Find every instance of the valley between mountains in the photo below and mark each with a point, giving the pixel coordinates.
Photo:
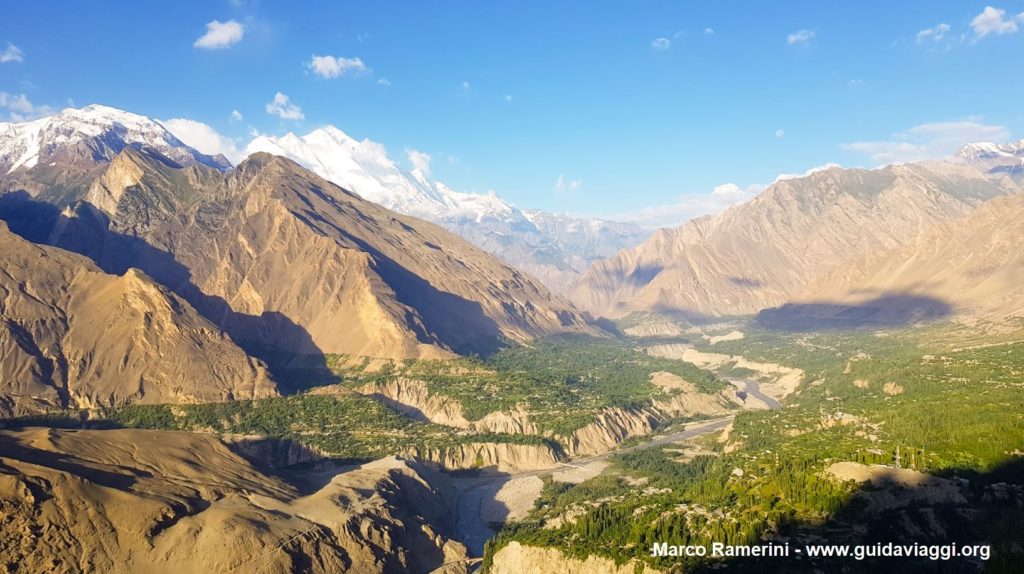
(315, 361)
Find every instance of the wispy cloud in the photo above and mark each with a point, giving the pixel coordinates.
(995, 21)
(929, 141)
(220, 35)
(11, 54)
(334, 67)
(564, 184)
(661, 43)
(383, 82)
(800, 37)
(282, 107)
(236, 116)
(19, 108)
(934, 34)
(780, 133)
(464, 87)
(420, 160)
(203, 138)
(690, 206)
(815, 169)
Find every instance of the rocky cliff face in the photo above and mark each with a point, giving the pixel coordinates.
(74, 336)
(502, 457)
(152, 501)
(515, 558)
(764, 252)
(280, 258)
(412, 397)
(615, 425)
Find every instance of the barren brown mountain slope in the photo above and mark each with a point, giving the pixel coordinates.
(72, 335)
(762, 253)
(161, 502)
(285, 260)
(974, 264)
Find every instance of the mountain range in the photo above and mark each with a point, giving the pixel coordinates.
(770, 250)
(283, 261)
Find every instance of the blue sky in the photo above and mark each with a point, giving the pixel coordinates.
(627, 104)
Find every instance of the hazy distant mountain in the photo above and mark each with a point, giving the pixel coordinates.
(763, 253)
(57, 156)
(554, 248)
(72, 336)
(285, 260)
(995, 158)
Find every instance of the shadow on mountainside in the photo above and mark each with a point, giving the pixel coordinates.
(887, 310)
(453, 321)
(989, 511)
(290, 353)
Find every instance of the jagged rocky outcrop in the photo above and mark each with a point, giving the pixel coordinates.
(74, 336)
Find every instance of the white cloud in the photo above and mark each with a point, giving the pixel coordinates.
(383, 82)
(690, 206)
(236, 116)
(800, 37)
(563, 184)
(929, 141)
(283, 108)
(661, 43)
(709, 31)
(465, 87)
(994, 21)
(419, 160)
(935, 34)
(780, 133)
(727, 190)
(20, 109)
(334, 67)
(220, 35)
(203, 138)
(11, 54)
(815, 169)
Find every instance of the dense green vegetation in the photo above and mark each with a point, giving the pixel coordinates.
(344, 425)
(891, 398)
(564, 381)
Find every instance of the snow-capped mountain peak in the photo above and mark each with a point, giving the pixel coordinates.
(994, 157)
(364, 167)
(103, 129)
(553, 247)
